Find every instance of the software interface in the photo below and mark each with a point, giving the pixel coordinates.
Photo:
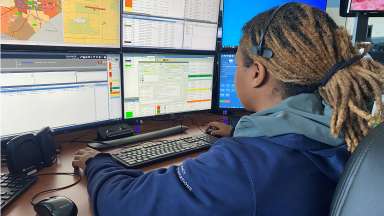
(164, 84)
(236, 15)
(170, 24)
(58, 90)
(86, 23)
(228, 97)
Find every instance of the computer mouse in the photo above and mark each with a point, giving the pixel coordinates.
(56, 206)
(210, 129)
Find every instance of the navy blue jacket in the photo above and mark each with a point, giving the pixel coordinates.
(283, 175)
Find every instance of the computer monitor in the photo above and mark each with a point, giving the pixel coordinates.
(60, 90)
(158, 84)
(61, 23)
(235, 15)
(170, 24)
(227, 89)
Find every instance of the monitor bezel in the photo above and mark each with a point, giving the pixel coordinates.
(68, 129)
(72, 128)
(161, 52)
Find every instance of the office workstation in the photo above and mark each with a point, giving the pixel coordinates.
(209, 107)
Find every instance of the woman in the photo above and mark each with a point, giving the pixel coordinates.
(286, 158)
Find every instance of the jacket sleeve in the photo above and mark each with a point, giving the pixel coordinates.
(214, 183)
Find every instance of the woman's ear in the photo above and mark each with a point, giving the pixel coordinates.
(258, 74)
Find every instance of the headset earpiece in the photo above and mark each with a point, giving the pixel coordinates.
(267, 53)
(259, 49)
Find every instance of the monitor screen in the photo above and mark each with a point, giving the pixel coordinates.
(157, 84)
(171, 24)
(60, 90)
(366, 5)
(235, 15)
(61, 23)
(227, 89)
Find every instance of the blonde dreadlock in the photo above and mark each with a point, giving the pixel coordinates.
(306, 44)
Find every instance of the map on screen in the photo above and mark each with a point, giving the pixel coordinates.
(93, 23)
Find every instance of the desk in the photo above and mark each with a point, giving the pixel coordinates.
(22, 207)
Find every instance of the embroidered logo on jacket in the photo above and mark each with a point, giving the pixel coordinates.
(180, 173)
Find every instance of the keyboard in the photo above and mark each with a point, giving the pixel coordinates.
(12, 186)
(155, 151)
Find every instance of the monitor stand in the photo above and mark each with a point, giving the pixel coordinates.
(361, 29)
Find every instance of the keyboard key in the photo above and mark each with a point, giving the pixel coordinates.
(12, 186)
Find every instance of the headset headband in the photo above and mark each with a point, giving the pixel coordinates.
(260, 49)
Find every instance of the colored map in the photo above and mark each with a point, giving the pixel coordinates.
(61, 22)
(92, 22)
(23, 19)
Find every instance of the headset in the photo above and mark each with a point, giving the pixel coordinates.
(259, 48)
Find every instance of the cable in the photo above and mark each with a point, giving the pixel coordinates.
(55, 189)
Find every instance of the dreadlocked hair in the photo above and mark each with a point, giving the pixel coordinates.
(306, 43)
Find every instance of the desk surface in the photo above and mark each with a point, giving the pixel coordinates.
(78, 193)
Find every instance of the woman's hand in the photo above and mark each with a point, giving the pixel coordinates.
(219, 129)
(81, 156)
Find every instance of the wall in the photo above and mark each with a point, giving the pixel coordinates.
(333, 11)
(377, 29)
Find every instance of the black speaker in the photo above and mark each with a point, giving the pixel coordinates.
(29, 152)
(24, 154)
(47, 146)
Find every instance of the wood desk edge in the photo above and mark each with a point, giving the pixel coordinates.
(78, 193)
